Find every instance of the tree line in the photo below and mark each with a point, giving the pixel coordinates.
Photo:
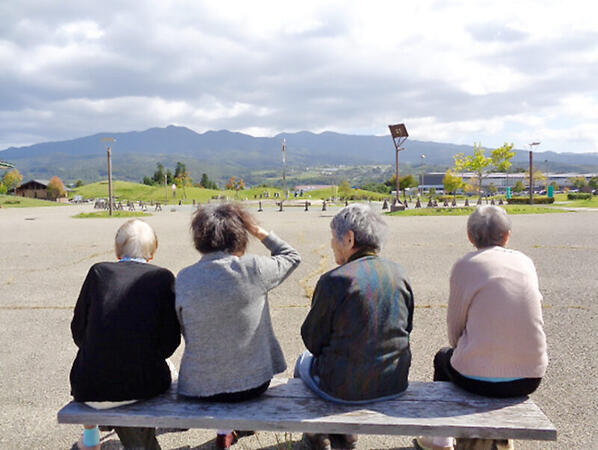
(181, 177)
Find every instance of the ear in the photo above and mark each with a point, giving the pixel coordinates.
(350, 239)
(470, 239)
(506, 240)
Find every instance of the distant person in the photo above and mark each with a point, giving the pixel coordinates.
(357, 330)
(494, 318)
(125, 326)
(231, 352)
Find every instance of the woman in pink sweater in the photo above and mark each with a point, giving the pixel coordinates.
(495, 327)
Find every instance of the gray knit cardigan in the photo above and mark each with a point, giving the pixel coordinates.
(222, 306)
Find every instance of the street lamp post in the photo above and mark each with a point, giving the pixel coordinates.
(531, 171)
(109, 141)
(284, 170)
(399, 136)
(421, 184)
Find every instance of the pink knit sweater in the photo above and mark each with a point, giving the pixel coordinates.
(495, 316)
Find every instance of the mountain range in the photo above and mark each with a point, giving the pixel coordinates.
(223, 153)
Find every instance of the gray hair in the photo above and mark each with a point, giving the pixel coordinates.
(488, 225)
(135, 239)
(367, 225)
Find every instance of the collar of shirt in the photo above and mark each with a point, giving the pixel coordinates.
(127, 259)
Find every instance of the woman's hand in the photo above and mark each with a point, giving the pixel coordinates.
(255, 230)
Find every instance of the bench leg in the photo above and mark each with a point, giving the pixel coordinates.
(484, 444)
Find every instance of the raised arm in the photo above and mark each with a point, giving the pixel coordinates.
(282, 261)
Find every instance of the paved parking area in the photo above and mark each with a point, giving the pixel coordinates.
(45, 254)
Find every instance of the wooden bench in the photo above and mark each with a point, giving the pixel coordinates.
(439, 409)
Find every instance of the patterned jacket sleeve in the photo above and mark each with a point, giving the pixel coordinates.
(317, 327)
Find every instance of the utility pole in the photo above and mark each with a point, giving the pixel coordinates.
(531, 171)
(166, 188)
(109, 140)
(284, 172)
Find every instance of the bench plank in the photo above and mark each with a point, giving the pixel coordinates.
(439, 409)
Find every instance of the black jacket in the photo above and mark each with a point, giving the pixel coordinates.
(125, 326)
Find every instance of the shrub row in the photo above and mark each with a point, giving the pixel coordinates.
(579, 196)
(525, 200)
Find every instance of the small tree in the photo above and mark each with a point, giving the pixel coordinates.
(235, 184)
(183, 179)
(207, 183)
(12, 179)
(593, 182)
(519, 186)
(3, 188)
(344, 189)
(452, 182)
(538, 178)
(477, 163)
(56, 188)
(159, 174)
(578, 182)
(480, 164)
(405, 182)
(78, 183)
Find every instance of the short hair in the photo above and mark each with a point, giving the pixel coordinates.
(135, 239)
(367, 225)
(220, 227)
(488, 225)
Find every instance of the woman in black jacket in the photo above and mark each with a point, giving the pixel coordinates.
(125, 326)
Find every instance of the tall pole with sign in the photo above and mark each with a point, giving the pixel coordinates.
(399, 136)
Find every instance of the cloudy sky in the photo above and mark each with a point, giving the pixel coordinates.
(452, 71)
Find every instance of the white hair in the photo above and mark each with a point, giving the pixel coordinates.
(367, 225)
(488, 226)
(135, 239)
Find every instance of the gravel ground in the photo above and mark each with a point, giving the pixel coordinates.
(45, 255)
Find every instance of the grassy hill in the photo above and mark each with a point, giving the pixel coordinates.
(126, 190)
(11, 201)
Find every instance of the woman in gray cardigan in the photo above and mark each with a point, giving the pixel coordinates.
(231, 352)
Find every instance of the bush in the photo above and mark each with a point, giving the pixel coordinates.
(579, 196)
(525, 200)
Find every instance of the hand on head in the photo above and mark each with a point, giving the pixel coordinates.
(253, 228)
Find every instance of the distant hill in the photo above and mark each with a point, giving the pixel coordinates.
(223, 153)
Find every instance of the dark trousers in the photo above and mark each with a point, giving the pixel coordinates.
(136, 438)
(235, 397)
(444, 371)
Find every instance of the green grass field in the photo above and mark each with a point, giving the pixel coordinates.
(11, 201)
(511, 209)
(125, 190)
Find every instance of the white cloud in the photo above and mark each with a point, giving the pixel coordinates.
(454, 71)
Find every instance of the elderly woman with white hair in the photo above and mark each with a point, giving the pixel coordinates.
(357, 330)
(494, 318)
(125, 326)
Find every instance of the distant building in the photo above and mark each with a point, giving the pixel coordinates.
(312, 187)
(37, 189)
(502, 180)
